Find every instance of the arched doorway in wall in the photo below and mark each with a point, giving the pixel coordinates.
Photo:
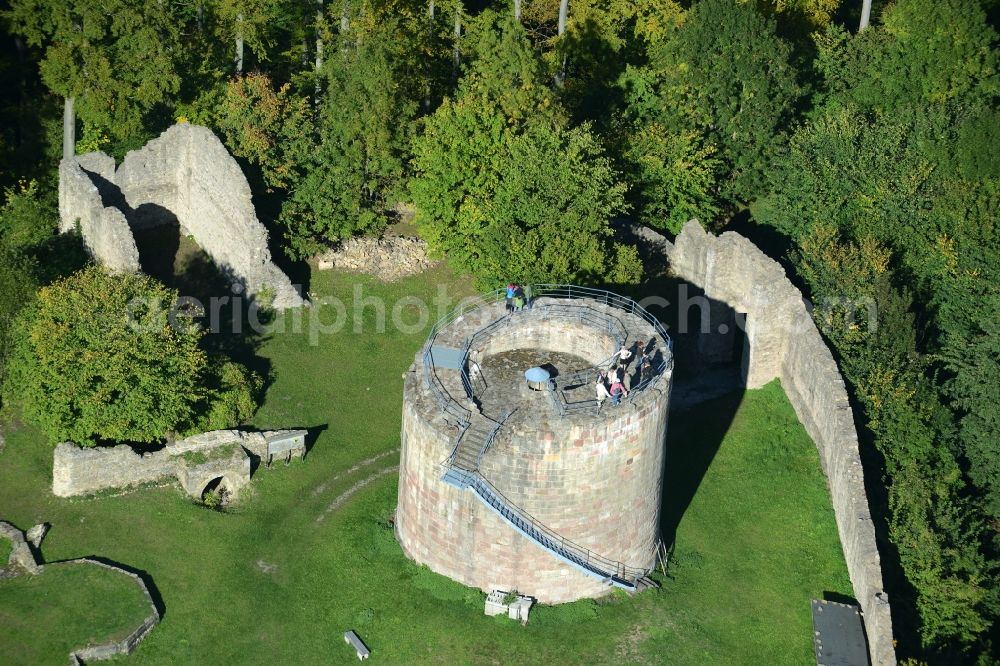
(217, 493)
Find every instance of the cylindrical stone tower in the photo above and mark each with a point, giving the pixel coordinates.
(506, 487)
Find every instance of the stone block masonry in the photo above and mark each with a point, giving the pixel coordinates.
(783, 342)
(594, 479)
(194, 462)
(104, 229)
(20, 556)
(390, 259)
(185, 176)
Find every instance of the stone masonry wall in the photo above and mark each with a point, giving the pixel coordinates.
(20, 552)
(128, 644)
(105, 231)
(23, 556)
(529, 332)
(80, 471)
(186, 173)
(450, 530)
(594, 479)
(784, 342)
(187, 170)
(390, 258)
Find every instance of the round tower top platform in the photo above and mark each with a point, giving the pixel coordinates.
(475, 357)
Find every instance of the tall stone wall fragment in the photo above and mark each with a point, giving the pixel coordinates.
(186, 177)
(784, 342)
(105, 231)
(188, 171)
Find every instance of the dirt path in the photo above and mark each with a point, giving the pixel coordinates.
(321, 488)
(346, 495)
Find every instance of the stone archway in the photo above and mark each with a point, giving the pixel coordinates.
(217, 492)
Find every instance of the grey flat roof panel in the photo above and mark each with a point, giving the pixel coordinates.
(838, 634)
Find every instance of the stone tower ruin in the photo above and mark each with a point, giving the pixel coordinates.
(185, 177)
(528, 486)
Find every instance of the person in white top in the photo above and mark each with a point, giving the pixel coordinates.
(624, 354)
(602, 392)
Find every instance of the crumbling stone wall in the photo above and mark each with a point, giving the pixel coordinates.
(185, 176)
(128, 644)
(783, 342)
(105, 231)
(193, 462)
(389, 259)
(20, 556)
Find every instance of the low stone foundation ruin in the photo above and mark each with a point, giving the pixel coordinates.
(782, 341)
(185, 177)
(21, 559)
(23, 562)
(389, 259)
(194, 462)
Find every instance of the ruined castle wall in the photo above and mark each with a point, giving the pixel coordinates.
(106, 233)
(730, 269)
(151, 178)
(20, 552)
(78, 471)
(194, 461)
(128, 644)
(785, 343)
(185, 176)
(188, 171)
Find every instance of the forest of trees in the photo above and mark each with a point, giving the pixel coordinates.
(518, 130)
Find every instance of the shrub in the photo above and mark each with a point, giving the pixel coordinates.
(99, 356)
(231, 396)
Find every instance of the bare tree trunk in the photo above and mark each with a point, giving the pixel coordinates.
(345, 18)
(563, 15)
(200, 17)
(517, 10)
(427, 61)
(69, 127)
(319, 49)
(239, 44)
(457, 61)
(866, 12)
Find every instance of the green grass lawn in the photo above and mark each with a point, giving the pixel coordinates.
(66, 607)
(308, 552)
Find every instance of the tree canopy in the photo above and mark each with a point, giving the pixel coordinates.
(104, 357)
(505, 188)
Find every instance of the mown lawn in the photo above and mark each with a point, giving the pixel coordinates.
(308, 553)
(66, 607)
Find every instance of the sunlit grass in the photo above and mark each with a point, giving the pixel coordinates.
(281, 577)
